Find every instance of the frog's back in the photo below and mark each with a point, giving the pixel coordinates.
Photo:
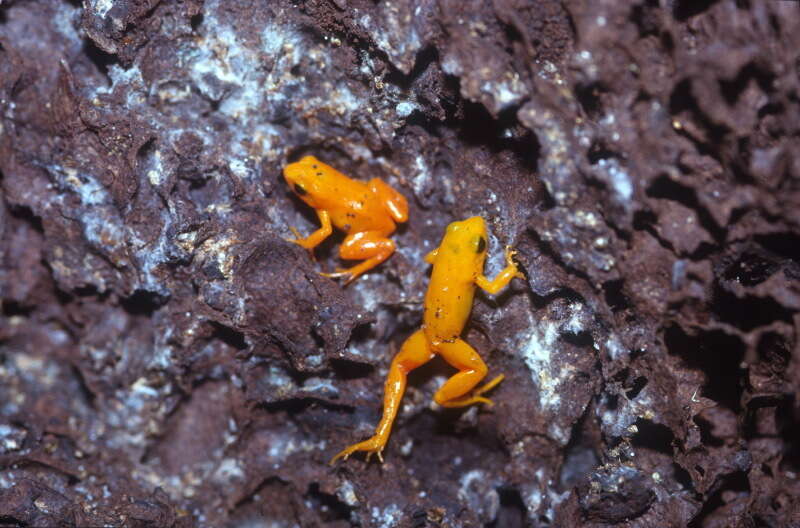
(351, 203)
(448, 302)
(357, 209)
(451, 290)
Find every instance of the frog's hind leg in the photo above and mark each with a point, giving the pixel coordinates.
(369, 246)
(459, 390)
(414, 352)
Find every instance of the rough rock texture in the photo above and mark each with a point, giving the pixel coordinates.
(167, 359)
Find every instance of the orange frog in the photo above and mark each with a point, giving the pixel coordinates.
(367, 212)
(457, 269)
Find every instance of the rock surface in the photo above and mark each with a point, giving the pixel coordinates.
(167, 359)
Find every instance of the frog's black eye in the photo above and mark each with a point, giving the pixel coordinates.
(299, 189)
(481, 245)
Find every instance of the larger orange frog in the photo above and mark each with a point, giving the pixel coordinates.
(457, 270)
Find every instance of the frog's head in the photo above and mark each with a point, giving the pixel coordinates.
(304, 178)
(467, 239)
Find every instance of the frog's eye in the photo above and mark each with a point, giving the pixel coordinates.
(299, 189)
(481, 245)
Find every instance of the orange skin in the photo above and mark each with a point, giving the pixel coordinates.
(457, 269)
(367, 212)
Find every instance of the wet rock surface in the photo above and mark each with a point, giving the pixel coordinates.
(167, 359)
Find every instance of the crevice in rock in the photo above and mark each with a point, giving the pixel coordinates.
(683, 10)
(512, 509)
(666, 189)
(718, 355)
(101, 59)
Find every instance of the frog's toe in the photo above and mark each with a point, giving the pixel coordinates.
(342, 273)
(336, 274)
(371, 446)
(350, 277)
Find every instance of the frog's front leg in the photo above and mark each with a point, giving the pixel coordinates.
(503, 278)
(414, 352)
(369, 246)
(315, 238)
(430, 258)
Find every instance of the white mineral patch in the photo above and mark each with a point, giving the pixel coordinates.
(11, 438)
(156, 173)
(347, 494)
(229, 470)
(614, 348)
(286, 444)
(151, 254)
(102, 7)
(405, 108)
(388, 517)
(62, 21)
(619, 421)
(537, 347)
(619, 179)
(319, 384)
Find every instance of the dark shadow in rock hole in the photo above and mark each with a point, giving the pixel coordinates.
(654, 436)
(142, 302)
(26, 214)
(682, 10)
(99, 58)
(580, 457)
(331, 507)
(614, 292)
(636, 387)
(786, 244)
(229, 336)
(666, 189)
(736, 483)
(345, 369)
(478, 127)
(683, 100)
(589, 96)
(732, 89)
(748, 312)
(750, 269)
(512, 509)
(718, 355)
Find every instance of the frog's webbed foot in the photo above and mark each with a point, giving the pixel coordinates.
(371, 446)
(510, 252)
(300, 241)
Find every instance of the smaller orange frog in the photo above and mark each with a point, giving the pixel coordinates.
(367, 212)
(457, 269)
